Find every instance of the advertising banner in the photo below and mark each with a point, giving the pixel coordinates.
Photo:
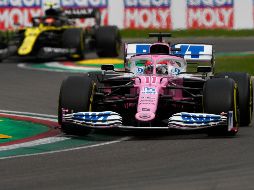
(210, 14)
(18, 13)
(147, 14)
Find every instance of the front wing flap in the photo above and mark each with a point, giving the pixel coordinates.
(186, 120)
(182, 120)
(94, 119)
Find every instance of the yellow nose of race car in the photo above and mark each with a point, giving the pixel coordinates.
(31, 35)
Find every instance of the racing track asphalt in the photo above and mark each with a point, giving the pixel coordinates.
(175, 162)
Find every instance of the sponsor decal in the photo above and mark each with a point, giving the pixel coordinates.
(77, 12)
(193, 50)
(147, 14)
(175, 71)
(147, 99)
(199, 118)
(149, 90)
(145, 116)
(139, 70)
(210, 14)
(59, 50)
(142, 49)
(230, 121)
(92, 117)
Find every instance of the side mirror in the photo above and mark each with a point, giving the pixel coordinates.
(107, 67)
(204, 69)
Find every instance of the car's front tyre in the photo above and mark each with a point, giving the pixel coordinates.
(76, 95)
(221, 95)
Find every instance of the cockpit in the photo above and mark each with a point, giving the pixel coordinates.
(147, 65)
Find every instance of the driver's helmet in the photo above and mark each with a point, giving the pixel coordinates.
(56, 12)
(162, 69)
(148, 67)
(49, 21)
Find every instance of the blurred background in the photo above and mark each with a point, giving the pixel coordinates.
(139, 14)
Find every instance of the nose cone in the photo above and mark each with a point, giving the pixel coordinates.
(145, 116)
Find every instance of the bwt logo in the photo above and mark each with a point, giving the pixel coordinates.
(148, 90)
(193, 50)
(92, 117)
(210, 3)
(147, 3)
(193, 118)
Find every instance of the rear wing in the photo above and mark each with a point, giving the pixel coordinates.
(192, 53)
(72, 13)
(79, 13)
(195, 53)
(132, 49)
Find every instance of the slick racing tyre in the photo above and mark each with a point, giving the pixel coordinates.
(73, 38)
(245, 89)
(221, 95)
(76, 94)
(108, 41)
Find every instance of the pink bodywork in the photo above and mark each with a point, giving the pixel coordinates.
(150, 87)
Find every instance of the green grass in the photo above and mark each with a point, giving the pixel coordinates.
(143, 33)
(235, 63)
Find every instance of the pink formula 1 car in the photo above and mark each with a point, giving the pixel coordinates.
(156, 91)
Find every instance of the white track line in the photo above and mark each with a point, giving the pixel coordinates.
(20, 113)
(24, 66)
(46, 140)
(70, 149)
(43, 141)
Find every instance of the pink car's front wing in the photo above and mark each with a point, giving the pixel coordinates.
(183, 120)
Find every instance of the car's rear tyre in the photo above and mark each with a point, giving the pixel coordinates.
(76, 94)
(108, 41)
(74, 38)
(245, 89)
(221, 95)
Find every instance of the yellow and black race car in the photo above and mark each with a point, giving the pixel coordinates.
(55, 35)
